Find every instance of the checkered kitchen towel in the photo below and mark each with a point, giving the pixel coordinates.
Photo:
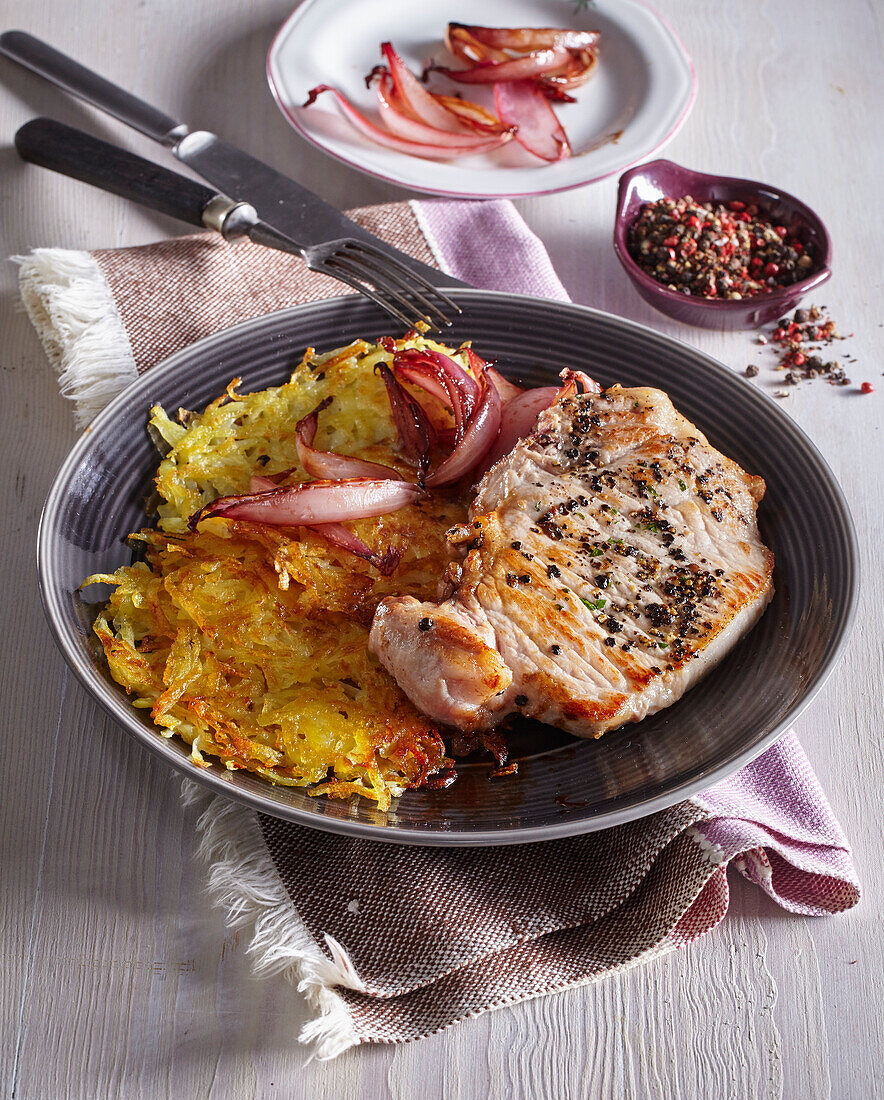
(393, 943)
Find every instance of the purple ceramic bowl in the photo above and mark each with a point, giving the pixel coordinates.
(658, 178)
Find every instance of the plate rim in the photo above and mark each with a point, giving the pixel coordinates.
(445, 192)
(101, 692)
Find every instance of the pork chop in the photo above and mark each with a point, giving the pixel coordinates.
(611, 559)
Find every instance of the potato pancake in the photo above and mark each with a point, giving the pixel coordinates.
(250, 641)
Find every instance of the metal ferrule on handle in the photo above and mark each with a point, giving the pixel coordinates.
(71, 152)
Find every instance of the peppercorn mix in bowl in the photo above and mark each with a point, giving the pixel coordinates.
(717, 251)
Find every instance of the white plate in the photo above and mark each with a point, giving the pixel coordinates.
(645, 86)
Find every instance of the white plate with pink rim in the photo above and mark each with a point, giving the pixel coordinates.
(635, 103)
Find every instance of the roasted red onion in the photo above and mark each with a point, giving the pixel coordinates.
(441, 376)
(423, 104)
(404, 125)
(416, 432)
(525, 39)
(464, 44)
(339, 536)
(383, 137)
(520, 413)
(504, 387)
(314, 502)
(259, 484)
(481, 46)
(481, 432)
(473, 116)
(328, 465)
(579, 67)
(344, 539)
(514, 68)
(518, 417)
(480, 369)
(520, 103)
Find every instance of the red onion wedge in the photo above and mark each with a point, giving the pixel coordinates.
(328, 465)
(258, 484)
(518, 417)
(314, 502)
(423, 104)
(522, 104)
(473, 116)
(400, 123)
(520, 413)
(504, 387)
(525, 39)
(416, 432)
(579, 67)
(465, 45)
(481, 432)
(554, 94)
(514, 68)
(339, 535)
(344, 539)
(446, 380)
(481, 369)
(383, 137)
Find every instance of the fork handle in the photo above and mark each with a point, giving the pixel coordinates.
(61, 148)
(63, 71)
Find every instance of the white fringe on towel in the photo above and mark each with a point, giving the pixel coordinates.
(244, 883)
(76, 318)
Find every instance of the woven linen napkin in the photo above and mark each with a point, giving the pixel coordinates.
(393, 943)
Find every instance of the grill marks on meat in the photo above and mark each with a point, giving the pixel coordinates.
(610, 560)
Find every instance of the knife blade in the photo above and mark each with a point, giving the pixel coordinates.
(285, 205)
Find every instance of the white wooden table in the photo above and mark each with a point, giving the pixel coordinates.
(117, 978)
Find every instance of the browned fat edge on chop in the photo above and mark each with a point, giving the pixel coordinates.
(611, 559)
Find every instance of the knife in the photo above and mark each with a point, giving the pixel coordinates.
(280, 202)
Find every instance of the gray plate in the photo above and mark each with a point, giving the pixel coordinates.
(564, 785)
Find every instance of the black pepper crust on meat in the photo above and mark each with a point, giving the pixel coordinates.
(619, 557)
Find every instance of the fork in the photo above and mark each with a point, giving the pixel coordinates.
(397, 289)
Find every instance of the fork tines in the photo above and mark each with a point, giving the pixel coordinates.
(402, 292)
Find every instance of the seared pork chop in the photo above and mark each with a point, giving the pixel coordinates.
(611, 559)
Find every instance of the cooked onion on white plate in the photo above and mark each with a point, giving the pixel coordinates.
(641, 89)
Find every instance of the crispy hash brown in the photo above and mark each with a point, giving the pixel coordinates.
(251, 641)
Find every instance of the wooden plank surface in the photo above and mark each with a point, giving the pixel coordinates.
(118, 980)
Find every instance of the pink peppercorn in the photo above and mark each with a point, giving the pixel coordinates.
(867, 387)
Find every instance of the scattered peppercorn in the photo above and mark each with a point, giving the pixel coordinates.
(797, 342)
(521, 700)
(425, 624)
(713, 250)
(867, 387)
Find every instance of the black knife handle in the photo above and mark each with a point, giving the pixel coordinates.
(80, 81)
(63, 149)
